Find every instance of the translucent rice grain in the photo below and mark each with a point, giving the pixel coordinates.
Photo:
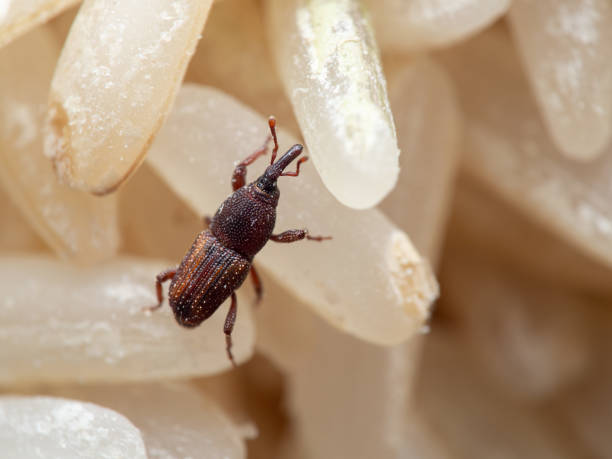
(175, 420)
(369, 280)
(418, 25)
(162, 228)
(233, 56)
(114, 84)
(74, 224)
(477, 212)
(428, 125)
(429, 132)
(534, 343)
(462, 416)
(509, 149)
(567, 48)
(19, 16)
(333, 378)
(62, 323)
(329, 64)
(16, 234)
(45, 427)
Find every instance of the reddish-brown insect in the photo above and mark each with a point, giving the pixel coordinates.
(221, 256)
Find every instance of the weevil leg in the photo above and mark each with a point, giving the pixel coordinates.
(257, 285)
(240, 171)
(297, 168)
(230, 320)
(296, 235)
(239, 175)
(159, 280)
(207, 220)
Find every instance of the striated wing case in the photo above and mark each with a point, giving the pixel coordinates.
(207, 276)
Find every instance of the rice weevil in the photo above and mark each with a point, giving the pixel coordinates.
(221, 256)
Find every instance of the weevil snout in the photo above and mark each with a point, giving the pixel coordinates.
(274, 171)
(267, 182)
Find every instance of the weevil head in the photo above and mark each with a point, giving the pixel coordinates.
(267, 181)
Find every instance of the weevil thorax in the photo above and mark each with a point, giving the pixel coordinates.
(245, 220)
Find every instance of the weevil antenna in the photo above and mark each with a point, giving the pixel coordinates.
(272, 124)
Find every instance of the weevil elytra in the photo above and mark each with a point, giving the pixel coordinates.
(221, 256)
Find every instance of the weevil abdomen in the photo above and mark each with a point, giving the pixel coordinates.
(206, 277)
